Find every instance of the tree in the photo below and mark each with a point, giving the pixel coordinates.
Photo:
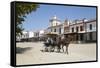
(22, 9)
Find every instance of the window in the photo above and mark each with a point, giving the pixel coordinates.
(56, 24)
(90, 26)
(54, 30)
(77, 29)
(59, 30)
(81, 37)
(73, 29)
(81, 28)
(90, 36)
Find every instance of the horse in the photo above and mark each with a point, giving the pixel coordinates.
(65, 42)
(59, 43)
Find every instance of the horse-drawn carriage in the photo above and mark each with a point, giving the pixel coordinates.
(50, 42)
(55, 41)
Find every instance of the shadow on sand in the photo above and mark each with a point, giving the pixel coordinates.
(20, 50)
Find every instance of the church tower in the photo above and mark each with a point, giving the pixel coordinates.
(66, 26)
(54, 21)
(66, 22)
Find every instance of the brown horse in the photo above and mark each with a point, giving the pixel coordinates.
(60, 43)
(65, 42)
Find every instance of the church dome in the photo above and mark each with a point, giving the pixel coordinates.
(54, 17)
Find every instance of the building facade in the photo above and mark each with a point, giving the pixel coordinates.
(55, 26)
(30, 36)
(91, 31)
(81, 30)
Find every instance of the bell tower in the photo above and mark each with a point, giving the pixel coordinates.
(66, 22)
(54, 21)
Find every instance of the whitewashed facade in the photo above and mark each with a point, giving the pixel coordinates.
(55, 26)
(91, 30)
(30, 35)
(82, 30)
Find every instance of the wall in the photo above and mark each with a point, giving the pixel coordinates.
(93, 28)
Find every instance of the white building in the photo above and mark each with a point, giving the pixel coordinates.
(91, 30)
(82, 30)
(31, 36)
(41, 33)
(25, 35)
(54, 21)
(55, 26)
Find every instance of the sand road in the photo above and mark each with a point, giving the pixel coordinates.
(29, 53)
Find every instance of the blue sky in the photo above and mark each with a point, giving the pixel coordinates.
(40, 19)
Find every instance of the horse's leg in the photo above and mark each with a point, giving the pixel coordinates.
(63, 48)
(49, 49)
(58, 48)
(67, 49)
(53, 48)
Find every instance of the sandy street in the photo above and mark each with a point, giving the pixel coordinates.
(29, 53)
